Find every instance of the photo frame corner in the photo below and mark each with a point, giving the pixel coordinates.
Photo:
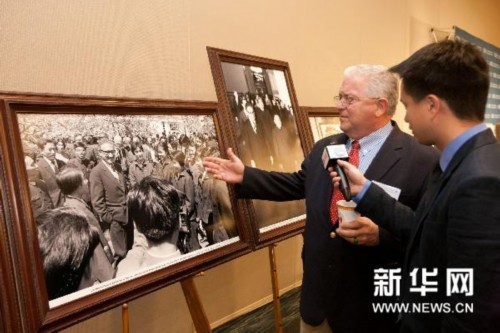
(324, 121)
(36, 311)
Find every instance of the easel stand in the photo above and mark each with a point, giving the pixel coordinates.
(278, 320)
(125, 318)
(198, 315)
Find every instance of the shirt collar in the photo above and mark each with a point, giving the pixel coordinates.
(373, 139)
(451, 149)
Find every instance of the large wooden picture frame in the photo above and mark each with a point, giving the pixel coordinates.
(324, 121)
(26, 118)
(260, 110)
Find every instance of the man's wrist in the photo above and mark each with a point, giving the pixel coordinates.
(357, 198)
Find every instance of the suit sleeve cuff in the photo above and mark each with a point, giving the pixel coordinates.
(357, 198)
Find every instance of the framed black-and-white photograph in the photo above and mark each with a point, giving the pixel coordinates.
(260, 110)
(108, 200)
(324, 121)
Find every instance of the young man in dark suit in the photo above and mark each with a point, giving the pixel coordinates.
(108, 192)
(337, 286)
(49, 167)
(457, 223)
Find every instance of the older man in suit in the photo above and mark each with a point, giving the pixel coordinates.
(337, 287)
(457, 223)
(108, 193)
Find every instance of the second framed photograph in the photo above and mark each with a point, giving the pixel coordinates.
(324, 121)
(108, 200)
(260, 110)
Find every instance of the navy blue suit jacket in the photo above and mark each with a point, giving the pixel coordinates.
(338, 277)
(457, 225)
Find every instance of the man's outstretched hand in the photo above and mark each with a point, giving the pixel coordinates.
(230, 171)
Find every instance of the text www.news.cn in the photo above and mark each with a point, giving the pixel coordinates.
(422, 308)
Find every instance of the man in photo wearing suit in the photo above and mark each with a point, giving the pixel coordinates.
(337, 287)
(49, 167)
(457, 223)
(108, 193)
(254, 138)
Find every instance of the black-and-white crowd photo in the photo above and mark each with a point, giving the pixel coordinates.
(266, 130)
(112, 194)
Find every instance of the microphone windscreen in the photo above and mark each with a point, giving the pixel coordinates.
(332, 153)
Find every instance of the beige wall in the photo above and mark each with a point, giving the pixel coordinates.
(157, 49)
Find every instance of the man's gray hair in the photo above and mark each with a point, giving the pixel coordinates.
(380, 83)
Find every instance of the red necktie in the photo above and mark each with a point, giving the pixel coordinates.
(337, 195)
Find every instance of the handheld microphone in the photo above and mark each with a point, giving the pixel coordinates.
(331, 154)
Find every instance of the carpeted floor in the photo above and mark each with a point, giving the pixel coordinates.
(261, 320)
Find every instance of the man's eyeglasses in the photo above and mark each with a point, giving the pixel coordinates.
(347, 100)
(108, 152)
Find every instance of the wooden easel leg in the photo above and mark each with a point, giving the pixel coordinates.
(125, 318)
(278, 320)
(198, 315)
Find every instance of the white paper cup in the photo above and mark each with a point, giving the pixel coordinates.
(346, 210)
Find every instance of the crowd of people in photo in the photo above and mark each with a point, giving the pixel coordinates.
(109, 205)
(266, 131)
(141, 189)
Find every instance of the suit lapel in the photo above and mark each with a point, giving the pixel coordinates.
(479, 140)
(46, 166)
(389, 154)
(119, 181)
(436, 183)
